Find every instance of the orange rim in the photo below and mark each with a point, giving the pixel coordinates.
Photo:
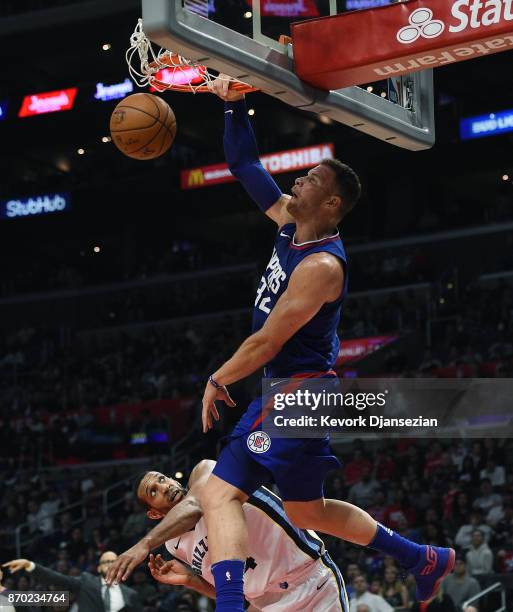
(173, 61)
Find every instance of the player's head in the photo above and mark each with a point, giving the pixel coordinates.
(105, 562)
(158, 493)
(328, 192)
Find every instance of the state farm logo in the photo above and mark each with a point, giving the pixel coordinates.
(421, 24)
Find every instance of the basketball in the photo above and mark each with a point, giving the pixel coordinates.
(143, 126)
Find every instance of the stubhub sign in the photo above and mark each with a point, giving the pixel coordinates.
(35, 205)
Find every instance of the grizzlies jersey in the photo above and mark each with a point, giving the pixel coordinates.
(280, 554)
(314, 348)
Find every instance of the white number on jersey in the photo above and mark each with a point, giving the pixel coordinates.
(261, 302)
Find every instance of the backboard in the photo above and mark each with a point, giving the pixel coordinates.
(241, 38)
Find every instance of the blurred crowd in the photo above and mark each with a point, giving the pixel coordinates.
(445, 494)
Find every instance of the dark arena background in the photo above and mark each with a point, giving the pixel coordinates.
(124, 284)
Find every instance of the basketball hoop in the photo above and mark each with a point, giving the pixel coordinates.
(167, 70)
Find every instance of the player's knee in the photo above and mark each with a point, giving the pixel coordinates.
(216, 494)
(300, 521)
(304, 515)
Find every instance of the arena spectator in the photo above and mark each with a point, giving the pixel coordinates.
(378, 507)
(34, 516)
(503, 530)
(352, 570)
(399, 509)
(92, 592)
(461, 509)
(393, 590)
(384, 466)
(146, 591)
(48, 509)
(362, 596)
(362, 492)
(459, 586)
(496, 513)
(76, 544)
(479, 557)
(468, 473)
(488, 499)
(478, 456)
(356, 468)
(505, 558)
(135, 523)
(494, 473)
(463, 537)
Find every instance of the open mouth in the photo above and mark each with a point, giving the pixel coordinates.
(175, 495)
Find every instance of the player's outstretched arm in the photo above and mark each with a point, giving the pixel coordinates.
(180, 519)
(318, 279)
(241, 154)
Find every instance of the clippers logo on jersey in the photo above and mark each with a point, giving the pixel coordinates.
(271, 281)
(259, 442)
(421, 24)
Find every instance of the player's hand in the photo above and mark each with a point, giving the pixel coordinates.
(221, 87)
(125, 564)
(16, 565)
(209, 411)
(169, 572)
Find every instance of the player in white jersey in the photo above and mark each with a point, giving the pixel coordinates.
(288, 568)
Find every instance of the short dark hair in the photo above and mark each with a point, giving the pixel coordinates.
(136, 483)
(348, 184)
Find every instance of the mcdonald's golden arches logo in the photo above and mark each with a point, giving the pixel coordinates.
(196, 177)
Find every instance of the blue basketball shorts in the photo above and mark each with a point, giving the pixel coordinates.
(252, 458)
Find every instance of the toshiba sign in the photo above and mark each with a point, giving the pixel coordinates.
(275, 163)
(399, 39)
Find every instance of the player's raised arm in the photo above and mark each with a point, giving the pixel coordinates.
(317, 280)
(241, 154)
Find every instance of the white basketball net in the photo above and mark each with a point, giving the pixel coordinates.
(166, 69)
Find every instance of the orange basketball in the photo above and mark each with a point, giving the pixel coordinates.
(143, 126)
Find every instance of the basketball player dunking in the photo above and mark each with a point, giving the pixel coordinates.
(296, 315)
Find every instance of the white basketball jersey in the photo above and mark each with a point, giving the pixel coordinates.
(280, 554)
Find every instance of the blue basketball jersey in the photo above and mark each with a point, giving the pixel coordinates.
(314, 348)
